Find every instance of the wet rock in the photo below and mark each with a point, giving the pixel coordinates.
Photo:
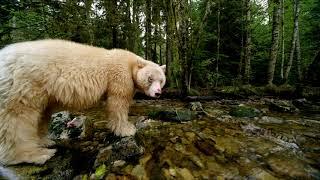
(103, 156)
(181, 148)
(197, 161)
(174, 116)
(258, 173)
(143, 122)
(118, 163)
(6, 173)
(59, 167)
(125, 149)
(206, 146)
(225, 118)
(195, 106)
(184, 173)
(65, 125)
(215, 112)
(306, 105)
(270, 120)
(251, 128)
(190, 136)
(227, 145)
(288, 166)
(282, 106)
(139, 172)
(244, 111)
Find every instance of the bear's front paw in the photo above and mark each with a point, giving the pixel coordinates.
(125, 129)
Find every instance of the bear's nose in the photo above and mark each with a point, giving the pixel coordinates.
(157, 94)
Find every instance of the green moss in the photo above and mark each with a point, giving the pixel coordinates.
(243, 111)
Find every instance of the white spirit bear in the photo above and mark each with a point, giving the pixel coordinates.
(37, 75)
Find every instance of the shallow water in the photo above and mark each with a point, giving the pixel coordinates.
(271, 145)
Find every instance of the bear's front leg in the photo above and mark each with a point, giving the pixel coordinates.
(117, 113)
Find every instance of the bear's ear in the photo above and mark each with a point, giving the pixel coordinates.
(163, 67)
(140, 63)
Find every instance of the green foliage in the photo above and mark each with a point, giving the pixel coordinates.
(121, 24)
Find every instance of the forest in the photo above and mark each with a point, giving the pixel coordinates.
(206, 44)
(241, 99)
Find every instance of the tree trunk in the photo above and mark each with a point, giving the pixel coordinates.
(298, 51)
(169, 40)
(182, 32)
(218, 45)
(242, 40)
(247, 44)
(160, 54)
(114, 23)
(136, 22)
(148, 30)
(275, 42)
(282, 38)
(294, 39)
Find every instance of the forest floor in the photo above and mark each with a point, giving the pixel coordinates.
(260, 138)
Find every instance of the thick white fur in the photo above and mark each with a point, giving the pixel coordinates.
(38, 75)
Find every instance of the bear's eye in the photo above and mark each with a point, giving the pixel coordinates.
(150, 79)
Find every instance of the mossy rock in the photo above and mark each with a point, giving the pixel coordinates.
(172, 116)
(244, 111)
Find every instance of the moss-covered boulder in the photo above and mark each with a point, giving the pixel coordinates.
(244, 111)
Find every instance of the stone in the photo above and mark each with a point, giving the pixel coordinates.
(124, 149)
(172, 116)
(185, 174)
(286, 165)
(195, 106)
(103, 156)
(227, 145)
(258, 173)
(244, 111)
(118, 163)
(206, 146)
(282, 106)
(139, 172)
(64, 125)
(190, 136)
(173, 172)
(271, 120)
(197, 161)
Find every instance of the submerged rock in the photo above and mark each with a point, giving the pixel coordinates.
(172, 116)
(282, 106)
(306, 105)
(195, 106)
(125, 149)
(244, 111)
(206, 146)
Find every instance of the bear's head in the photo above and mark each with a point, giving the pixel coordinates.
(150, 78)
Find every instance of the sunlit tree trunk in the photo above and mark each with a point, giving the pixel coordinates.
(294, 39)
(275, 41)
